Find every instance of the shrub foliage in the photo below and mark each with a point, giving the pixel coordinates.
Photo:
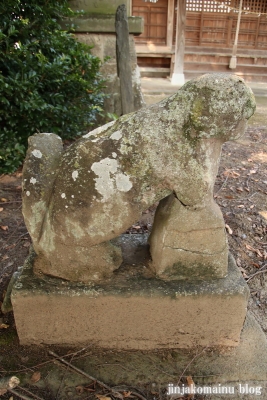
(49, 82)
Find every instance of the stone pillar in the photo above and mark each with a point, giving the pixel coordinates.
(123, 60)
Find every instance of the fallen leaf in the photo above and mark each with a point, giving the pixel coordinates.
(11, 246)
(4, 326)
(5, 257)
(36, 376)
(27, 244)
(254, 250)
(238, 261)
(239, 189)
(18, 187)
(102, 397)
(3, 200)
(263, 214)
(2, 391)
(127, 394)
(4, 227)
(241, 206)
(191, 386)
(1, 209)
(229, 230)
(250, 160)
(118, 395)
(79, 389)
(88, 389)
(9, 264)
(255, 265)
(253, 171)
(230, 173)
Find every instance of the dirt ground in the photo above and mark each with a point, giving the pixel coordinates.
(240, 191)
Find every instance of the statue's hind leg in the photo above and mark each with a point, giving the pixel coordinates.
(79, 263)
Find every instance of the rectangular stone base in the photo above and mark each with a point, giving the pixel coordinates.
(133, 310)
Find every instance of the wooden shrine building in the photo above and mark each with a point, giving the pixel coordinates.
(198, 36)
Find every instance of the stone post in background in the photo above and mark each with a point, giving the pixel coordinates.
(123, 60)
(96, 27)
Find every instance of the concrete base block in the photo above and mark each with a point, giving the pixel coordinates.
(245, 363)
(132, 309)
(238, 368)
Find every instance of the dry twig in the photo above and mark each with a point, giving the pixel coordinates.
(8, 202)
(41, 364)
(80, 371)
(256, 273)
(129, 389)
(113, 392)
(21, 396)
(198, 354)
(223, 185)
(32, 394)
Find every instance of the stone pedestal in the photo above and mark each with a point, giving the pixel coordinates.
(133, 309)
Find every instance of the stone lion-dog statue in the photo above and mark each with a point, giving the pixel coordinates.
(75, 201)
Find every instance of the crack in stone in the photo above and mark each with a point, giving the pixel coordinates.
(195, 252)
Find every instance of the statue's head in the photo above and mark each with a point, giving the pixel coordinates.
(220, 105)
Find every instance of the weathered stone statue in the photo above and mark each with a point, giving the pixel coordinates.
(75, 201)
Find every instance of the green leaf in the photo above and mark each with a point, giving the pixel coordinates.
(48, 80)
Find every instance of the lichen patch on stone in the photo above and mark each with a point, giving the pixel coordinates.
(98, 130)
(28, 193)
(75, 175)
(116, 135)
(33, 181)
(123, 183)
(109, 180)
(37, 153)
(63, 195)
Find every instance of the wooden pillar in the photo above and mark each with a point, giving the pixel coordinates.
(170, 23)
(232, 64)
(178, 70)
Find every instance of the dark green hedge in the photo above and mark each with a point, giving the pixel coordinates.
(49, 82)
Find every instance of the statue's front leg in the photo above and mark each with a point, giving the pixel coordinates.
(188, 242)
